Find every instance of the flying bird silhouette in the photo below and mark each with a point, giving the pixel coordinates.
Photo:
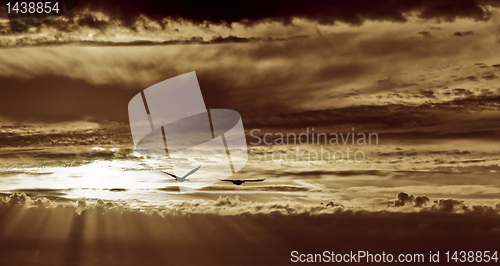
(239, 182)
(182, 178)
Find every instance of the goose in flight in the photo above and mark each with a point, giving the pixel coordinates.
(239, 182)
(182, 178)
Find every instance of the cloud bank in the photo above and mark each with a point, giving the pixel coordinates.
(107, 234)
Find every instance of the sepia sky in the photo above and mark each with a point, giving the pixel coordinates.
(423, 75)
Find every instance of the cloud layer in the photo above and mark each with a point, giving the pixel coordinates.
(107, 234)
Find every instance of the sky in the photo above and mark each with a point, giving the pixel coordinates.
(421, 75)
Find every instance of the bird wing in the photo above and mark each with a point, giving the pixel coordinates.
(192, 172)
(228, 180)
(174, 176)
(255, 180)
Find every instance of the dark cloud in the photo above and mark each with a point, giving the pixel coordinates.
(471, 78)
(225, 12)
(279, 188)
(462, 92)
(90, 21)
(421, 201)
(39, 193)
(333, 204)
(468, 78)
(409, 200)
(463, 34)
(170, 189)
(30, 136)
(449, 205)
(34, 42)
(403, 199)
(386, 116)
(443, 205)
(71, 151)
(485, 209)
(326, 12)
(426, 34)
(428, 93)
(489, 76)
(117, 189)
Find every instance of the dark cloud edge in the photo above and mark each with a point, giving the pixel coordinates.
(389, 115)
(231, 39)
(224, 12)
(249, 13)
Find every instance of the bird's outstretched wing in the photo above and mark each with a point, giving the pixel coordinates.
(255, 180)
(192, 171)
(228, 180)
(174, 176)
